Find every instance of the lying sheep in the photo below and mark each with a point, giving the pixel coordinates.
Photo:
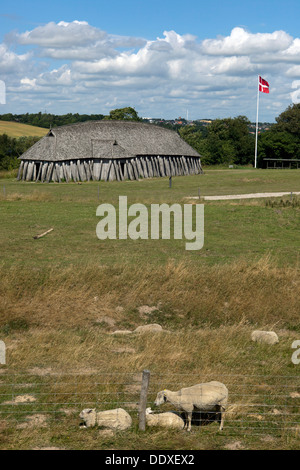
(211, 396)
(268, 337)
(117, 419)
(166, 420)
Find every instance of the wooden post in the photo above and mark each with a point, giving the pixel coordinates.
(21, 168)
(170, 181)
(143, 400)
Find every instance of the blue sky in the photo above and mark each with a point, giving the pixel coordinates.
(166, 58)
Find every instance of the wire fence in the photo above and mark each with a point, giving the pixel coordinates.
(256, 404)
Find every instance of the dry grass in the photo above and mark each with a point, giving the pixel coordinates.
(63, 371)
(16, 129)
(36, 195)
(187, 295)
(8, 174)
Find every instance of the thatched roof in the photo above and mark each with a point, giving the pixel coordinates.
(107, 139)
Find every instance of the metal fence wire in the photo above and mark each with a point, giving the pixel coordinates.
(256, 404)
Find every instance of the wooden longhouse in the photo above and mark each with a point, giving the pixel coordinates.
(108, 150)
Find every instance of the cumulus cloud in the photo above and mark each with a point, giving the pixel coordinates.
(241, 42)
(296, 94)
(75, 40)
(293, 71)
(159, 76)
(10, 62)
(62, 34)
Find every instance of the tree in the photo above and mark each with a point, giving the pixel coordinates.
(11, 148)
(283, 139)
(194, 136)
(274, 144)
(289, 120)
(224, 141)
(123, 114)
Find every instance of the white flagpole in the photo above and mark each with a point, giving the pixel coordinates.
(256, 133)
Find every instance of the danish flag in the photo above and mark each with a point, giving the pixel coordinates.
(263, 85)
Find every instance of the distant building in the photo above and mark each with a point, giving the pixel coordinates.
(108, 150)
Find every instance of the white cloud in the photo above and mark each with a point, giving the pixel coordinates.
(81, 64)
(295, 95)
(234, 66)
(293, 51)
(61, 34)
(31, 83)
(293, 71)
(75, 41)
(241, 42)
(10, 62)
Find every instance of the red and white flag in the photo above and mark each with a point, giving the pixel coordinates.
(263, 85)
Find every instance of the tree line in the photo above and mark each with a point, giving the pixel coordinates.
(228, 141)
(224, 141)
(47, 120)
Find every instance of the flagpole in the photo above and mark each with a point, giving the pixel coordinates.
(256, 133)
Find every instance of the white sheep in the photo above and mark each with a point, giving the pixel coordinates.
(117, 419)
(208, 397)
(166, 420)
(268, 337)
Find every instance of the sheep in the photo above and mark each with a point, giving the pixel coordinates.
(166, 420)
(117, 419)
(268, 337)
(211, 396)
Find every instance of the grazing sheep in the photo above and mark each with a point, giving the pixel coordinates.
(211, 396)
(268, 337)
(151, 328)
(166, 420)
(117, 419)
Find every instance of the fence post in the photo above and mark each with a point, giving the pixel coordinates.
(143, 400)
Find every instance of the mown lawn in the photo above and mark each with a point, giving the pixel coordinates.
(232, 229)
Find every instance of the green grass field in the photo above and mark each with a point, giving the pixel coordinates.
(64, 294)
(16, 129)
(233, 229)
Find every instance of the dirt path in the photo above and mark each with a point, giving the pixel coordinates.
(246, 196)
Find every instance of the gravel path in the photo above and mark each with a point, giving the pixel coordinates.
(246, 196)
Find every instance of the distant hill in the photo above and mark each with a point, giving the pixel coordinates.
(16, 129)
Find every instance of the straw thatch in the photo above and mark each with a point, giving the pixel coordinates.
(108, 150)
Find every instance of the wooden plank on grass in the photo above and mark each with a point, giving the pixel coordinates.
(43, 234)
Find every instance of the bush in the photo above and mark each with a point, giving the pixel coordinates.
(11, 148)
(8, 163)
